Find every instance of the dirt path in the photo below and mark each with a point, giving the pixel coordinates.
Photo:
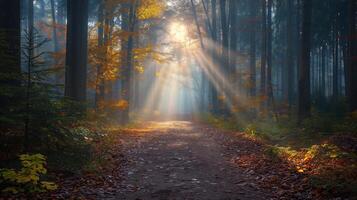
(182, 160)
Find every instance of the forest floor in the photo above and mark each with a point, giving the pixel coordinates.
(186, 160)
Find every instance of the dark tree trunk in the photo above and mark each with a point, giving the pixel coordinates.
(352, 56)
(290, 58)
(252, 53)
(54, 26)
(225, 31)
(10, 49)
(263, 50)
(10, 38)
(30, 53)
(224, 59)
(76, 54)
(128, 59)
(56, 47)
(10, 62)
(269, 53)
(203, 77)
(214, 94)
(304, 75)
(335, 62)
(233, 35)
(99, 91)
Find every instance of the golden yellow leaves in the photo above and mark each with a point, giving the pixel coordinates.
(150, 9)
(222, 98)
(122, 105)
(139, 69)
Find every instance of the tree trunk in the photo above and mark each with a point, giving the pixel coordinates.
(214, 94)
(224, 59)
(99, 91)
(129, 26)
(203, 77)
(335, 62)
(54, 26)
(269, 54)
(233, 36)
(304, 75)
(352, 57)
(290, 59)
(225, 31)
(10, 62)
(10, 38)
(76, 54)
(263, 50)
(252, 53)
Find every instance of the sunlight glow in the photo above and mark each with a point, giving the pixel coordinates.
(178, 31)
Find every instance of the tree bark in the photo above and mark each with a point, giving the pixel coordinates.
(304, 75)
(129, 26)
(252, 53)
(99, 91)
(269, 53)
(76, 54)
(233, 35)
(290, 59)
(352, 56)
(214, 94)
(263, 50)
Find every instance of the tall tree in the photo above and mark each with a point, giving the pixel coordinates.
(54, 26)
(304, 70)
(263, 50)
(10, 47)
(225, 32)
(99, 91)
(214, 94)
(352, 56)
(269, 52)
(76, 54)
(252, 48)
(129, 21)
(233, 35)
(290, 59)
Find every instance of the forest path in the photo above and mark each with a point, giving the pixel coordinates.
(183, 160)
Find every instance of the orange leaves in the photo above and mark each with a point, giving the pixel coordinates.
(122, 105)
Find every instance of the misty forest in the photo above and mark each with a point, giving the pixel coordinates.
(178, 99)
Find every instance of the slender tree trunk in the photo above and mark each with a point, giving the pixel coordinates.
(263, 50)
(290, 59)
(203, 77)
(30, 53)
(233, 35)
(224, 59)
(323, 74)
(269, 53)
(352, 56)
(304, 75)
(193, 6)
(225, 31)
(76, 54)
(252, 39)
(214, 94)
(335, 62)
(54, 26)
(54, 37)
(127, 68)
(99, 92)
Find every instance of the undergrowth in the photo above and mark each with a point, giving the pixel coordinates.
(323, 147)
